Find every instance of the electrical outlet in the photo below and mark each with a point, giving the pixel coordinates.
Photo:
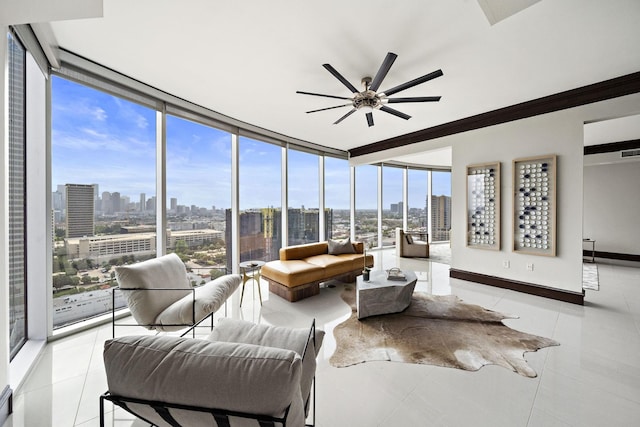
(529, 266)
(506, 263)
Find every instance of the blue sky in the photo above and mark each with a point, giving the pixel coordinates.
(101, 139)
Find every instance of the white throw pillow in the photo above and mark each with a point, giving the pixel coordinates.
(337, 247)
(165, 272)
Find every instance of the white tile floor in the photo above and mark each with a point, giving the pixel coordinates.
(591, 379)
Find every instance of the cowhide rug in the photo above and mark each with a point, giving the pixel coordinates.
(435, 330)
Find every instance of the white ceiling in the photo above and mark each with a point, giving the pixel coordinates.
(612, 130)
(246, 59)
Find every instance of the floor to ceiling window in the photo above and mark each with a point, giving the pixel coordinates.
(198, 180)
(337, 197)
(440, 206)
(103, 197)
(260, 185)
(303, 195)
(103, 178)
(17, 327)
(417, 203)
(392, 203)
(366, 224)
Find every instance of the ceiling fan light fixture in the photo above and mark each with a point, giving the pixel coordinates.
(370, 99)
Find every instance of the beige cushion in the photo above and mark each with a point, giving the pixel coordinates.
(165, 272)
(333, 265)
(303, 251)
(229, 376)
(292, 273)
(356, 261)
(337, 247)
(208, 299)
(233, 330)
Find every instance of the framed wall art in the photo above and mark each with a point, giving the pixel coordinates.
(483, 206)
(534, 205)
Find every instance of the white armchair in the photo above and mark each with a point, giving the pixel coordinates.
(242, 375)
(407, 246)
(160, 296)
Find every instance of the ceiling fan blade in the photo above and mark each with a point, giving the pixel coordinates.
(338, 76)
(382, 71)
(321, 94)
(329, 108)
(370, 119)
(345, 116)
(414, 99)
(395, 112)
(413, 83)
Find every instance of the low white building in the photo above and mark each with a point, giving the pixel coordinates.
(103, 248)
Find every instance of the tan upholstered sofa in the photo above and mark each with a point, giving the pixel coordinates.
(301, 268)
(409, 246)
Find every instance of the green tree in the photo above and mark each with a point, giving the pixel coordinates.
(215, 273)
(181, 247)
(62, 280)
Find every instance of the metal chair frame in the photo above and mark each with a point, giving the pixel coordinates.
(191, 326)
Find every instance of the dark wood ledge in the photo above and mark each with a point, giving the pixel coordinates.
(612, 147)
(608, 89)
(612, 255)
(514, 285)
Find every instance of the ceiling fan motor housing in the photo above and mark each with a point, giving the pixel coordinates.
(367, 99)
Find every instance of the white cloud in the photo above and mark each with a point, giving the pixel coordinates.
(98, 114)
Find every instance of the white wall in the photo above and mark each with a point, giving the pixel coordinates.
(558, 133)
(612, 206)
(38, 200)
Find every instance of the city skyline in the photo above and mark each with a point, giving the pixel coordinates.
(101, 139)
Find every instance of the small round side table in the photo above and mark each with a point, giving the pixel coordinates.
(251, 271)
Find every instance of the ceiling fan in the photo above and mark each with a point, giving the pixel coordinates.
(370, 99)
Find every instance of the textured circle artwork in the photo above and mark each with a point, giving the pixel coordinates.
(483, 206)
(534, 210)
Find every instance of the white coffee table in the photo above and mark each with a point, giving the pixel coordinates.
(382, 296)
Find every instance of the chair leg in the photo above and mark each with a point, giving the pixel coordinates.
(242, 293)
(313, 404)
(259, 291)
(101, 411)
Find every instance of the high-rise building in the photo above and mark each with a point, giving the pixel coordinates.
(79, 210)
(261, 231)
(440, 218)
(151, 204)
(143, 200)
(396, 208)
(106, 203)
(174, 205)
(304, 225)
(96, 192)
(116, 203)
